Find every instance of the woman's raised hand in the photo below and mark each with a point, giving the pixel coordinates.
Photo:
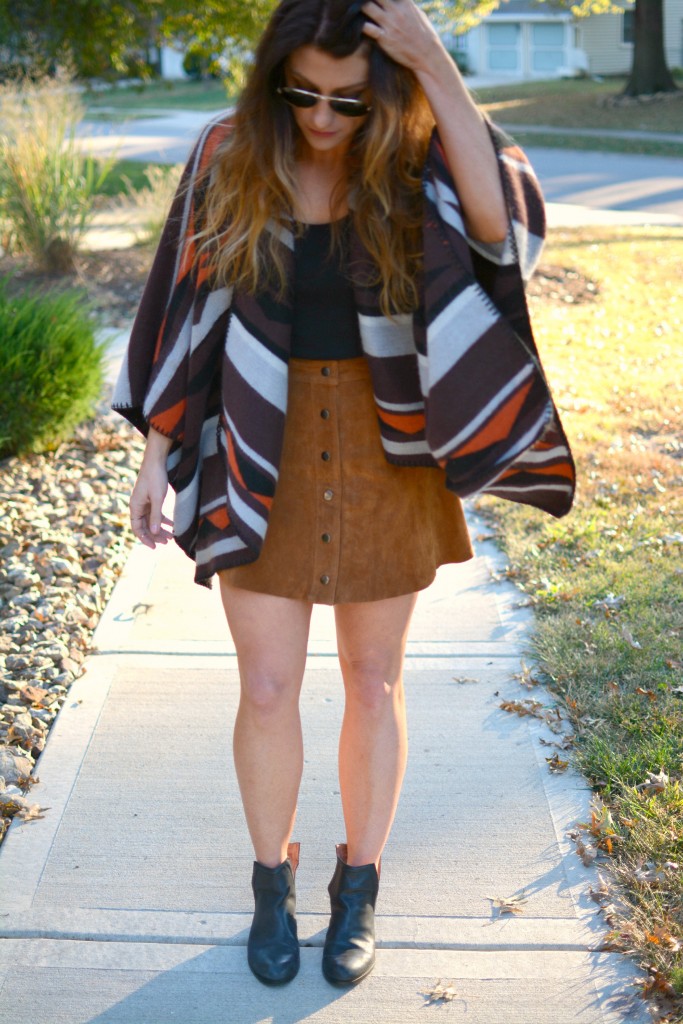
(403, 31)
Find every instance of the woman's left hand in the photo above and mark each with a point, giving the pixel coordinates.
(403, 31)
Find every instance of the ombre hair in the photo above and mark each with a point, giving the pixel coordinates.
(252, 175)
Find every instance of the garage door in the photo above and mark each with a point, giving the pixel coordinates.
(504, 48)
(547, 48)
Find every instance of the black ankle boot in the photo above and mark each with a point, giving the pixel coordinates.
(273, 945)
(349, 951)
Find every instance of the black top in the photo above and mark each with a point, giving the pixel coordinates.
(325, 317)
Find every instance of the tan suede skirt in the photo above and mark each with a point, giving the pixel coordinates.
(346, 525)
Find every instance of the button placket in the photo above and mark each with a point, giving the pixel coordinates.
(328, 487)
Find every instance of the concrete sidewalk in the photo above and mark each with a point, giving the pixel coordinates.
(130, 901)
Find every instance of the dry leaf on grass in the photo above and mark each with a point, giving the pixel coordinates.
(601, 824)
(653, 874)
(440, 993)
(508, 904)
(628, 637)
(657, 985)
(611, 602)
(661, 936)
(654, 783)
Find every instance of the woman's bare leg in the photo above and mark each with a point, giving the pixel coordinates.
(270, 635)
(373, 746)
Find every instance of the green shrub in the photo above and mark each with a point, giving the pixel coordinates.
(47, 182)
(51, 368)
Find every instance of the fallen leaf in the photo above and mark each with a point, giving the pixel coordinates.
(610, 603)
(464, 679)
(647, 693)
(441, 993)
(598, 895)
(601, 823)
(660, 936)
(556, 765)
(657, 984)
(654, 783)
(653, 874)
(526, 676)
(523, 707)
(628, 637)
(586, 851)
(509, 904)
(32, 813)
(610, 944)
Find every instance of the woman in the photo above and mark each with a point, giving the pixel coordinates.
(337, 306)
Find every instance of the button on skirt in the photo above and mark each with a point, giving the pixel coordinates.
(345, 524)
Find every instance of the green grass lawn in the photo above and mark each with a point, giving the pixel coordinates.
(606, 581)
(579, 103)
(605, 144)
(160, 96)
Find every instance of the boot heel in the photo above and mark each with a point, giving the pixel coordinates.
(349, 950)
(273, 945)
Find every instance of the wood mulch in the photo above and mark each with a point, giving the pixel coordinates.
(113, 280)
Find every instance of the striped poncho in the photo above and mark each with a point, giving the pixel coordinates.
(458, 383)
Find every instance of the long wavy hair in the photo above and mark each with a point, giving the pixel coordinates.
(252, 179)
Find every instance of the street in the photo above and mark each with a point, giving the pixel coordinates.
(647, 188)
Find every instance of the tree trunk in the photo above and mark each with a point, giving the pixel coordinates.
(649, 71)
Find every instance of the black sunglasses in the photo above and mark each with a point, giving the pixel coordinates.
(304, 98)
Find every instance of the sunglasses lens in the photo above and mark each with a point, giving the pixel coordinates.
(349, 108)
(302, 98)
(298, 97)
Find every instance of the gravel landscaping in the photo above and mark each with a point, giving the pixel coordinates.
(64, 539)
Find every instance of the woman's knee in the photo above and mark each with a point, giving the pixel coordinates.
(374, 683)
(268, 692)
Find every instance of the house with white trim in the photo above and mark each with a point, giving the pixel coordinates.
(523, 39)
